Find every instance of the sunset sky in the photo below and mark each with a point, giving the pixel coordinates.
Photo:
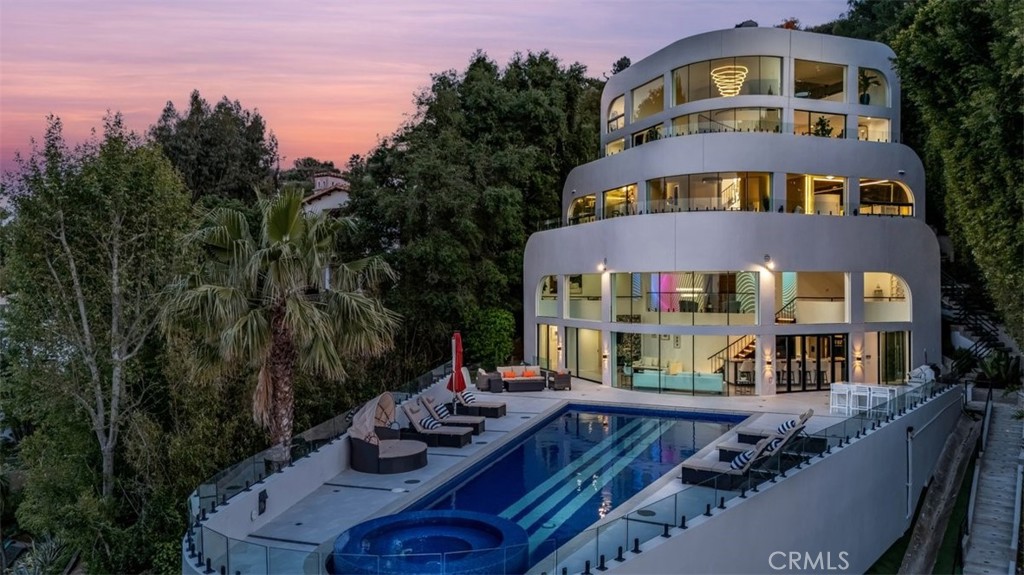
(329, 77)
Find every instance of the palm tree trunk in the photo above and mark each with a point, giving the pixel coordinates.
(282, 372)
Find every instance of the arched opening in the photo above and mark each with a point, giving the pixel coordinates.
(885, 198)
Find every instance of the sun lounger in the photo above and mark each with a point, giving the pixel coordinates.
(753, 434)
(752, 455)
(376, 447)
(779, 438)
(440, 436)
(466, 402)
(439, 411)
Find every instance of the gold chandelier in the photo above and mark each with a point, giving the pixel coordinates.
(729, 79)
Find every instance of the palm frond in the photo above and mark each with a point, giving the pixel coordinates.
(248, 338)
(362, 325)
(283, 218)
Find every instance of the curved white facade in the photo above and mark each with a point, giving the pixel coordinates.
(750, 233)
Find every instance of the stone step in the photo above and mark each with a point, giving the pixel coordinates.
(989, 550)
(978, 568)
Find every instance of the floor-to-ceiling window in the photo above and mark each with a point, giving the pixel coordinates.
(583, 353)
(819, 81)
(677, 363)
(547, 346)
(815, 194)
(685, 298)
(809, 362)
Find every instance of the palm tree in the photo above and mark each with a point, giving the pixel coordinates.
(281, 305)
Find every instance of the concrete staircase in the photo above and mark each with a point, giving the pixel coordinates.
(991, 530)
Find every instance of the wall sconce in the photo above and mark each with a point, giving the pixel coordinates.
(768, 361)
(857, 357)
(604, 356)
(769, 262)
(603, 265)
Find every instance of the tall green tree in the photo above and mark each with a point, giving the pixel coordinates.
(224, 151)
(281, 304)
(453, 195)
(962, 64)
(93, 243)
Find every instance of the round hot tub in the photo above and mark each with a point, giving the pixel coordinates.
(447, 541)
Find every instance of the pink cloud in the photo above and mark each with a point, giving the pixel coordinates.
(328, 77)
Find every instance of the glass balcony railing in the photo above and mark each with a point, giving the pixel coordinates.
(212, 552)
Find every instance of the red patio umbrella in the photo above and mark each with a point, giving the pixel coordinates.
(457, 384)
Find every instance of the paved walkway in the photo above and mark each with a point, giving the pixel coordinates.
(991, 529)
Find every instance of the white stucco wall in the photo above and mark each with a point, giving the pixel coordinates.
(738, 241)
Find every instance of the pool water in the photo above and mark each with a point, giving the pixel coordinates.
(579, 465)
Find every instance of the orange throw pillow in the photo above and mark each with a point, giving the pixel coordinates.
(508, 374)
(528, 373)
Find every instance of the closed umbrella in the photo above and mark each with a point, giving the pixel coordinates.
(457, 383)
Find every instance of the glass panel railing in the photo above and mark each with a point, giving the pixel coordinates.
(207, 549)
(706, 498)
(293, 561)
(249, 558)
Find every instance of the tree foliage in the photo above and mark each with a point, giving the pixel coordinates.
(267, 304)
(962, 65)
(91, 245)
(454, 194)
(222, 151)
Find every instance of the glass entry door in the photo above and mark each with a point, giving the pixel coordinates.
(809, 362)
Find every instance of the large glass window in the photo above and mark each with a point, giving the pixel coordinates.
(885, 357)
(815, 194)
(583, 353)
(649, 135)
(806, 123)
(617, 114)
(872, 87)
(728, 120)
(620, 201)
(673, 363)
(885, 198)
(871, 129)
(649, 99)
(584, 296)
(740, 191)
(685, 298)
(583, 210)
(811, 297)
(727, 77)
(614, 147)
(885, 297)
(547, 301)
(819, 81)
(810, 362)
(547, 346)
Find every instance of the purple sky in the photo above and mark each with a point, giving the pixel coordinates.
(329, 77)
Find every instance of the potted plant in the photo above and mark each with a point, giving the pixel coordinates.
(865, 80)
(822, 127)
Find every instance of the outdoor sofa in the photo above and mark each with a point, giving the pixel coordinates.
(522, 378)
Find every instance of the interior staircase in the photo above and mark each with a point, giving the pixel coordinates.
(739, 350)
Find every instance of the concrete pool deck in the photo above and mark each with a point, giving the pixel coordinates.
(352, 497)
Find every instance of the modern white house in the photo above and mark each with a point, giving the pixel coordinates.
(753, 225)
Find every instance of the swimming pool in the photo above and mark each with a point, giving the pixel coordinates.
(576, 466)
